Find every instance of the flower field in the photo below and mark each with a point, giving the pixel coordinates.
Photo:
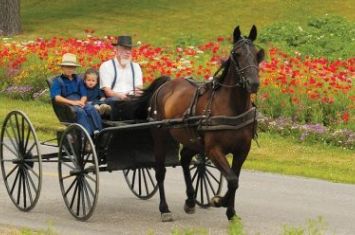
(304, 89)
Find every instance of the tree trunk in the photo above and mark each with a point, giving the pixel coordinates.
(10, 20)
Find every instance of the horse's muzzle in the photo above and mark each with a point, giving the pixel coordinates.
(252, 87)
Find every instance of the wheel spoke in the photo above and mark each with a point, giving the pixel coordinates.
(201, 187)
(16, 178)
(16, 147)
(192, 167)
(66, 164)
(27, 138)
(14, 132)
(30, 149)
(208, 171)
(18, 131)
(12, 151)
(90, 178)
(31, 181)
(139, 182)
(74, 195)
(133, 178)
(196, 186)
(74, 159)
(194, 176)
(151, 179)
(207, 191)
(19, 188)
(79, 198)
(210, 184)
(126, 172)
(82, 197)
(145, 181)
(86, 193)
(86, 160)
(29, 188)
(70, 187)
(89, 187)
(30, 168)
(67, 177)
(24, 191)
(12, 171)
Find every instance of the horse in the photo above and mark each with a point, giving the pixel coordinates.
(228, 95)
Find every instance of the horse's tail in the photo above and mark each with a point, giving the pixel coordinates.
(143, 101)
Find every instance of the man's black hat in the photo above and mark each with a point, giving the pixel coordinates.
(124, 41)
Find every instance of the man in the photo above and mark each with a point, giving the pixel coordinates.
(120, 77)
(69, 89)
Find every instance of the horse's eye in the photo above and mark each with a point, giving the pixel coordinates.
(236, 54)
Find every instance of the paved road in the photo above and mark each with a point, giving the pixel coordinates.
(264, 201)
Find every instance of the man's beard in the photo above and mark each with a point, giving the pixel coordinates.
(125, 62)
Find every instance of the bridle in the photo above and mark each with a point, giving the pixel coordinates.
(241, 80)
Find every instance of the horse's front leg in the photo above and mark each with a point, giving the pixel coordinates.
(186, 156)
(160, 170)
(220, 161)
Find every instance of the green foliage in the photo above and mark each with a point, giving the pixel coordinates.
(328, 36)
(314, 227)
(236, 227)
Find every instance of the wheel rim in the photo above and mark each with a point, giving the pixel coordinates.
(20, 160)
(206, 180)
(78, 172)
(141, 182)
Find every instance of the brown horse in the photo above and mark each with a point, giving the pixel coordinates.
(228, 95)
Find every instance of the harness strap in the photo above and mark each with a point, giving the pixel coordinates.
(115, 78)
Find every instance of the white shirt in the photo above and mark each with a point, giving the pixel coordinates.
(124, 82)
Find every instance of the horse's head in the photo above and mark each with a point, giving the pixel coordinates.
(245, 59)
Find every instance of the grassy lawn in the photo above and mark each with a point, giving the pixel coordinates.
(164, 22)
(276, 154)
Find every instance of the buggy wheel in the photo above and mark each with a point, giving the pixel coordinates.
(206, 179)
(78, 172)
(141, 181)
(20, 160)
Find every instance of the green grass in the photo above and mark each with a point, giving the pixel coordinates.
(276, 154)
(286, 156)
(164, 22)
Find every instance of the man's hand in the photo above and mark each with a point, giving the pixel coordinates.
(122, 96)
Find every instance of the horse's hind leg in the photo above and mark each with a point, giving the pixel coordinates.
(220, 161)
(160, 170)
(186, 156)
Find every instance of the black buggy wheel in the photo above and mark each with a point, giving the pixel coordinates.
(20, 160)
(206, 179)
(78, 172)
(141, 181)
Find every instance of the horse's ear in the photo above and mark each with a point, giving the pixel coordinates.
(253, 33)
(260, 55)
(236, 34)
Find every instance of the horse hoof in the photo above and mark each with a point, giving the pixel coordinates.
(189, 210)
(166, 217)
(216, 201)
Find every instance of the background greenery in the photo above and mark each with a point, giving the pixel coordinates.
(169, 23)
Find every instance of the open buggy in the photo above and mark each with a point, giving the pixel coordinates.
(125, 145)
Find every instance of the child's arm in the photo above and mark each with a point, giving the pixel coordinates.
(61, 100)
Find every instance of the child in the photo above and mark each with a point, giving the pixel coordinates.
(69, 89)
(94, 95)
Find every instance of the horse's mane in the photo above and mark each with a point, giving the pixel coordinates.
(220, 78)
(136, 108)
